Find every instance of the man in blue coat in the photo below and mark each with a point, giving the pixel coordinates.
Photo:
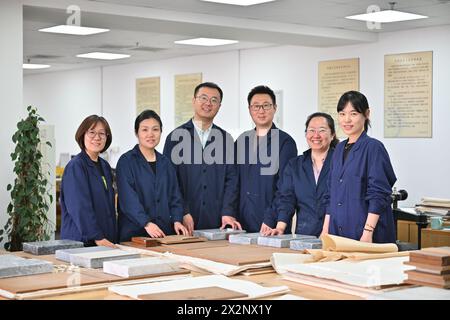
(203, 156)
(262, 153)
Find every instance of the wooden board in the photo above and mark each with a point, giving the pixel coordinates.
(200, 245)
(141, 246)
(207, 293)
(145, 241)
(178, 239)
(440, 280)
(51, 281)
(435, 256)
(428, 284)
(46, 281)
(237, 255)
(429, 268)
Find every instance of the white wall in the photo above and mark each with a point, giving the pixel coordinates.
(421, 165)
(64, 99)
(11, 88)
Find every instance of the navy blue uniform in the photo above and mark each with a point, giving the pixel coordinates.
(256, 188)
(298, 192)
(207, 178)
(361, 185)
(145, 197)
(87, 201)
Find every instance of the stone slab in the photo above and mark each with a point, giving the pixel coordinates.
(95, 259)
(12, 266)
(281, 241)
(49, 247)
(305, 244)
(217, 234)
(244, 238)
(64, 254)
(141, 267)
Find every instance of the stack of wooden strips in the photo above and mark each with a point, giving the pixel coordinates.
(432, 267)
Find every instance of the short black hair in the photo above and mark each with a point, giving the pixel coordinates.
(88, 123)
(330, 123)
(144, 115)
(261, 90)
(211, 85)
(358, 101)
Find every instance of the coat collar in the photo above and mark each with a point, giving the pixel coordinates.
(362, 140)
(308, 167)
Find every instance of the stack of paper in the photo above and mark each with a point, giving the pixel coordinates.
(305, 244)
(216, 234)
(244, 238)
(49, 247)
(141, 266)
(13, 266)
(281, 241)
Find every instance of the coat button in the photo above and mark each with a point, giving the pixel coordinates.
(339, 204)
(204, 170)
(203, 202)
(204, 187)
(340, 229)
(157, 201)
(340, 180)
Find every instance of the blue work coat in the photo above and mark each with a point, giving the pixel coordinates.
(256, 187)
(298, 192)
(361, 185)
(208, 185)
(87, 204)
(145, 197)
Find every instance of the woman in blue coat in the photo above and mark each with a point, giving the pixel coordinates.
(361, 179)
(262, 153)
(302, 187)
(150, 202)
(87, 195)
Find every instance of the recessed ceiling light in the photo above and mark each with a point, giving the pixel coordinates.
(240, 2)
(209, 42)
(103, 55)
(75, 30)
(386, 16)
(35, 66)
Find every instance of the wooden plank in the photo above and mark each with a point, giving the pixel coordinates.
(429, 268)
(145, 241)
(435, 256)
(237, 255)
(179, 239)
(207, 293)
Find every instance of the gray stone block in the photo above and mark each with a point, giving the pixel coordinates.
(12, 266)
(140, 267)
(281, 241)
(64, 254)
(49, 247)
(244, 238)
(217, 234)
(95, 259)
(305, 244)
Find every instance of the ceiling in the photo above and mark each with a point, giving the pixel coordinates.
(147, 29)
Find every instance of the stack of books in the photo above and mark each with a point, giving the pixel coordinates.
(432, 267)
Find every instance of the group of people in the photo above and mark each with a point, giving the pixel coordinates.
(206, 180)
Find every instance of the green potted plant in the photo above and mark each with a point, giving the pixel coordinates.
(30, 196)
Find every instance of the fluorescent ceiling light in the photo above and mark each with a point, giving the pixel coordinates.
(209, 42)
(103, 55)
(386, 16)
(34, 66)
(240, 2)
(75, 30)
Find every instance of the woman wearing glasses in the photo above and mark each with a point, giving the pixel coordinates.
(150, 201)
(87, 196)
(262, 153)
(361, 179)
(302, 187)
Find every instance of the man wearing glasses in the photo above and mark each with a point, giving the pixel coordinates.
(262, 153)
(200, 151)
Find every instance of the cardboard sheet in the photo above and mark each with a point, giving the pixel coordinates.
(207, 293)
(341, 244)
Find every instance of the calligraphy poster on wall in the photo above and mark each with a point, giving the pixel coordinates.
(148, 95)
(335, 78)
(408, 95)
(184, 92)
